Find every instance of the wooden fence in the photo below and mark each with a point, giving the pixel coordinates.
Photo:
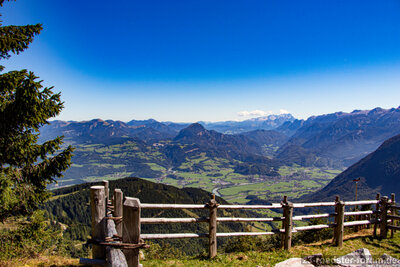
(118, 244)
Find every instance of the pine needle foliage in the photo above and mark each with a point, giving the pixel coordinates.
(26, 167)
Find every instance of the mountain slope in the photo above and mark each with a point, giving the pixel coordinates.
(379, 172)
(231, 144)
(268, 140)
(231, 147)
(266, 137)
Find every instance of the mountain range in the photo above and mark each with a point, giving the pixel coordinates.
(188, 154)
(339, 138)
(148, 130)
(261, 123)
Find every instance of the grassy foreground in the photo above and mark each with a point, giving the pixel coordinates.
(362, 239)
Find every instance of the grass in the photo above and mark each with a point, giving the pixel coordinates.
(156, 167)
(43, 261)
(352, 241)
(362, 239)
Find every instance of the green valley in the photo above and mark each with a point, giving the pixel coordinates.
(94, 162)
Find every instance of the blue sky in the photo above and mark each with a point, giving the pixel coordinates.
(212, 60)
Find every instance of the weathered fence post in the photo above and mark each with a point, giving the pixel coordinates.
(384, 210)
(287, 224)
(283, 223)
(337, 199)
(288, 214)
(131, 229)
(377, 215)
(118, 208)
(105, 183)
(393, 213)
(339, 220)
(212, 227)
(98, 213)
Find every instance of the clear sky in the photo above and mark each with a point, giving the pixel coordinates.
(212, 60)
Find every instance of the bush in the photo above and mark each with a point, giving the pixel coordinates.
(29, 239)
(36, 236)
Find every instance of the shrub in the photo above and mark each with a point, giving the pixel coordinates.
(29, 238)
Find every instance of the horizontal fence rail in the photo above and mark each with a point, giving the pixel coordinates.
(172, 236)
(271, 219)
(313, 227)
(361, 202)
(126, 214)
(172, 220)
(309, 205)
(171, 206)
(313, 216)
(247, 234)
(272, 206)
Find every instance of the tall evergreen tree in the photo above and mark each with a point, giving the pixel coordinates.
(26, 167)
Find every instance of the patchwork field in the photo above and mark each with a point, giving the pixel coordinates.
(96, 162)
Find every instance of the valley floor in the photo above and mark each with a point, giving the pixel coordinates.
(294, 181)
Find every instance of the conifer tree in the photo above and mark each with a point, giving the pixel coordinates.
(26, 167)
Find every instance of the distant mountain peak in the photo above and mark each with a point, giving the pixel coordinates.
(196, 127)
(273, 117)
(193, 130)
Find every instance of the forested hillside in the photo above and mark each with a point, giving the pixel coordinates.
(70, 206)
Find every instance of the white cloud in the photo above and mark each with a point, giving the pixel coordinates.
(259, 113)
(283, 111)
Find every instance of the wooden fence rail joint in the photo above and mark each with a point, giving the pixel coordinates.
(118, 245)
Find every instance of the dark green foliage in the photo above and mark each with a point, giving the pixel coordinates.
(16, 39)
(74, 211)
(25, 166)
